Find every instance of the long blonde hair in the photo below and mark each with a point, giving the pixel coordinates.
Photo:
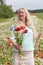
(29, 22)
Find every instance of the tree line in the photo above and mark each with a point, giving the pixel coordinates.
(36, 11)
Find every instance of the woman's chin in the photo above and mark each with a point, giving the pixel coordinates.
(21, 18)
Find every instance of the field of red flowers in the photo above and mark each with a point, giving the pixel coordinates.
(6, 50)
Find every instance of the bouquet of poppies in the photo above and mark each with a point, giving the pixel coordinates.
(19, 32)
(19, 35)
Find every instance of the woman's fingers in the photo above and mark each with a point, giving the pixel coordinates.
(20, 47)
(39, 34)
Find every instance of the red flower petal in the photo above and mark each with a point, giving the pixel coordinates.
(17, 29)
(35, 56)
(22, 27)
(0, 46)
(8, 63)
(25, 31)
(39, 51)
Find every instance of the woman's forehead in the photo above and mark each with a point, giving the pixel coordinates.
(21, 9)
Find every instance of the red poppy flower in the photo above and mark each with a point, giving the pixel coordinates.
(39, 51)
(35, 56)
(41, 56)
(17, 29)
(25, 31)
(8, 38)
(8, 63)
(22, 27)
(0, 46)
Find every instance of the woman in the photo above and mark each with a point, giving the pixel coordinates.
(28, 44)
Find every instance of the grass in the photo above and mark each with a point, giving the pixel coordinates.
(4, 20)
(39, 15)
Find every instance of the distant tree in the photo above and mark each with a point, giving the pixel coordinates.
(36, 11)
(6, 11)
(2, 2)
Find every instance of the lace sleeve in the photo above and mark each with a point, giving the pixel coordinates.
(12, 36)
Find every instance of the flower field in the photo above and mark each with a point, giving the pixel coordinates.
(6, 51)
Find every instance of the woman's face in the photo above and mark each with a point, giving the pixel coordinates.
(21, 14)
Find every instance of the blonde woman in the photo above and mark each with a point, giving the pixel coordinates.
(23, 17)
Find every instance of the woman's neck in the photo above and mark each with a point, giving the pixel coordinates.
(24, 21)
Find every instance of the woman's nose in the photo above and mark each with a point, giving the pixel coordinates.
(21, 13)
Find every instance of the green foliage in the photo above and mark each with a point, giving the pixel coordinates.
(39, 15)
(6, 11)
(36, 11)
(1, 1)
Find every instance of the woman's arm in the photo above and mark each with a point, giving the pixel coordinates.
(18, 47)
(13, 40)
(38, 35)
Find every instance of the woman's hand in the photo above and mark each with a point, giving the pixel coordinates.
(39, 34)
(19, 47)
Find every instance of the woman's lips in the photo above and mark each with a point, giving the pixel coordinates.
(21, 16)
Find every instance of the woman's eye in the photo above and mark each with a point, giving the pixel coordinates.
(20, 12)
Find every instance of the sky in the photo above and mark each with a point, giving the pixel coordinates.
(28, 4)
